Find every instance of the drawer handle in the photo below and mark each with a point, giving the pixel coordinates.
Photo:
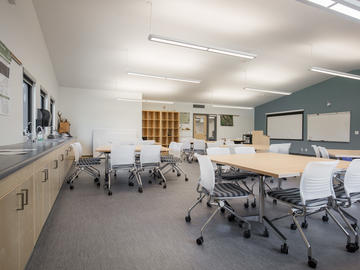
(62, 157)
(56, 164)
(26, 196)
(22, 201)
(67, 152)
(46, 175)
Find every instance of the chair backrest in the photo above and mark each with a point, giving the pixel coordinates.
(186, 143)
(123, 141)
(175, 149)
(284, 148)
(229, 142)
(207, 174)
(274, 148)
(75, 148)
(316, 180)
(218, 151)
(316, 150)
(199, 145)
(323, 152)
(122, 154)
(213, 144)
(352, 178)
(244, 150)
(79, 148)
(147, 142)
(150, 154)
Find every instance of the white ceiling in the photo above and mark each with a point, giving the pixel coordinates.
(94, 43)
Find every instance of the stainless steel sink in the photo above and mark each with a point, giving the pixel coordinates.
(12, 152)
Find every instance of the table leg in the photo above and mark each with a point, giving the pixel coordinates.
(261, 198)
(107, 155)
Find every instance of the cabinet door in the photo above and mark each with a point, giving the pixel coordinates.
(9, 239)
(54, 179)
(61, 167)
(26, 222)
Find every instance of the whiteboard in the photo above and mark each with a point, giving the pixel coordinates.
(330, 127)
(287, 126)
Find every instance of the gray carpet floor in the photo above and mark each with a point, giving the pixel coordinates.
(89, 230)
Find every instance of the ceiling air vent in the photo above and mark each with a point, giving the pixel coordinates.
(199, 106)
(12, 2)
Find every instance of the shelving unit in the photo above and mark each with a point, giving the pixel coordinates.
(163, 127)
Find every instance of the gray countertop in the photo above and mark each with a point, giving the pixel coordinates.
(11, 163)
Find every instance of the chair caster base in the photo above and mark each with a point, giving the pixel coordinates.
(284, 249)
(200, 241)
(325, 218)
(293, 226)
(164, 186)
(275, 202)
(131, 184)
(96, 180)
(109, 192)
(312, 263)
(71, 187)
(253, 204)
(186, 179)
(246, 205)
(208, 204)
(354, 225)
(222, 210)
(266, 233)
(304, 225)
(352, 247)
(231, 218)
(179, 174)
(150, 182)
(247, 234)
(98, 184)
(140, 190)
(187, 219)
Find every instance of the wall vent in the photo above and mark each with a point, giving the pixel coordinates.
(199, 106)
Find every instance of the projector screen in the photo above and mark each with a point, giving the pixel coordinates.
(285, 125)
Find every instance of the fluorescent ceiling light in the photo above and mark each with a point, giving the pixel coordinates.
(157, 101)
(164, 78)
(233, 107)
(346, 10)
(335, 73)
(201, 47)
(267, 91)
(129, 99)
(324, 3)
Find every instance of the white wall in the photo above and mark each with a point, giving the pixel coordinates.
(88, 109)
(243, 119)
(20, 31)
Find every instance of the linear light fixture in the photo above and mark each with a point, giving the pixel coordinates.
(233, 107)
(346, 10)
(267, 91)
(157, 101)
(201, 47)
(164, 78)
(346, 7)
(129, 99)
(335, 73)
(324, 3)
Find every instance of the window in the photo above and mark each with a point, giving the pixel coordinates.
(42, 99)
(27, 104)
(52, 112)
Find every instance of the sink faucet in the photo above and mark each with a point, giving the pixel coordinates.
(27, 132)
(40, 135)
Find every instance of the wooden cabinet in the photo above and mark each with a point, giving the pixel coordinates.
(54, 178)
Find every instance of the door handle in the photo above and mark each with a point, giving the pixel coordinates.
(46, 175)
(22, 201)
(56, 164)
(26, 196)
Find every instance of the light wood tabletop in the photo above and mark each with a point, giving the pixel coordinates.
(271, 164)
(258, 147)
(339, 153)
(107, 149)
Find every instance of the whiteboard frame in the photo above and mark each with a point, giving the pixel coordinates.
(287, 113)
(313, 140)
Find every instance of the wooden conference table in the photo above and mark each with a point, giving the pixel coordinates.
(340, 153)
(270, 164)
(106, 150)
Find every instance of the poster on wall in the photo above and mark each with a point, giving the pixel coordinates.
(5, 59)
(226, 120)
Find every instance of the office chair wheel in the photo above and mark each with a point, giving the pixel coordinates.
(325, 218)
(274, 202)
(77, 176)
(354, 225)
(222, 210)
(106, 186)
(150, 171)
(200, 241)
(247, 234)
(266, 233)
(352, 247)
(109, 192)
(96, 180)
(246, 205)
(131, 184)
(179, 174)
(150, 182)
(68, 181)
(208, 204)
(304, 224)
(173, 170)
(140, 189)
(293, 226)
(186, 179)
(231, 218)
(284, 249)
(253, 204)
(312, 262)
(187, 219)
(98, 184)
(71, 187)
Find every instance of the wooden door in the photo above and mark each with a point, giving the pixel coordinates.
(9, 239)
(200, 126)
(26, 222)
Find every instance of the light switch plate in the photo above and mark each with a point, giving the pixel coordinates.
(356, 132)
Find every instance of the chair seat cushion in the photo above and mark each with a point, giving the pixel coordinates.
(229, 190)
(292, 196)
(170, 159)
(234, 175)
(89, 161)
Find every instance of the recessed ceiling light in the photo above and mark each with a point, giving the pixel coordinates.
(233, 107)
(157, 101)
(267, 91)
(201, 47)
(164, 78)
(324, 3)
(346, 10)
(335, 73)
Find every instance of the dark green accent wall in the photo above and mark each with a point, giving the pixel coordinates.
(344, 95)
